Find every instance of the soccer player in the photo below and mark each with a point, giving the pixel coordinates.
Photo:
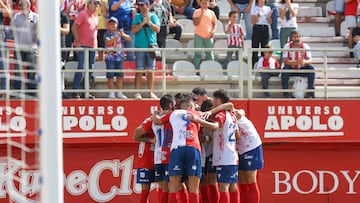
(225, 157)
(185, 151)
(208, 185)
(163, 134)
(164, 120)
(250, 152)
(250, 158)
(145, 174)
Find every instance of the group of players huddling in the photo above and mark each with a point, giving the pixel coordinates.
(199, 151)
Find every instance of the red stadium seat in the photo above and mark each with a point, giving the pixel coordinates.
(130, 67)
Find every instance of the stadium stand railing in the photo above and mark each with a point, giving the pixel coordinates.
(331, 80)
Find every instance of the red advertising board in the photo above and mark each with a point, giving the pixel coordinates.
(306, 120)
(310, 150)
(311, 173)
(104, 120)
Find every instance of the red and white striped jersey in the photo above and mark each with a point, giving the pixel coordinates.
(234, 37)
(75, 7)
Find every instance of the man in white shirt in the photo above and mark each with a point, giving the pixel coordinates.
(294, 60)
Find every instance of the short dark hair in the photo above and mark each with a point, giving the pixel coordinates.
(232, 13)
(199, 91)
(166, 101)
(221, 94)
(178, 95)
(189, 96)
(207, 105)
(184, 103)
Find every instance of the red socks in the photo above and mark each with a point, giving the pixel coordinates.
(144, 196)
(224, 197)
(205, 193)
(159, 193)
(194, 198)
(244, 193)
(164, 197)
(214, 193)
(184, 196)
(234, 197)
(172, 198)
(254, 193)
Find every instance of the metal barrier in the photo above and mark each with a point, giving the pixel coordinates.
(245, 87)
(238, 86)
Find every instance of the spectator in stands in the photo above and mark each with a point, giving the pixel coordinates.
(243, 7)
(17, 5)
(145, 26)
(124, 12)
(64, 30)
(25, 40)
(267, 62)
(339, 12)
(261, 19)
(115, 38)
(356, 41)
(184, 7)
(351, 20)
(33, 6)
(85, 36)
(294, 60)
(235, 36)
(101, 12)
(205, 23)
(288, 22)
(72, 9)
(174, 27)
(212, 6)
(162, 9)
(7, 20)
(5, 11)
(273, 4)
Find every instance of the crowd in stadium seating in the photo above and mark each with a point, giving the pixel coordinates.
(258, 18)
(264, 20)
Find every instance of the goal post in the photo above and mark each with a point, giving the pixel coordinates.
(50, 103)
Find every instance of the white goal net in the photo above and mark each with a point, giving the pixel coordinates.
(30, 103)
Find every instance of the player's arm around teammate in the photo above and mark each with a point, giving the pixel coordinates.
(145, 174)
